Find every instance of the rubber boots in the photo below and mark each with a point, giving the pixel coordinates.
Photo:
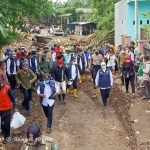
(68, 90)
(75, 93)
(81, 78)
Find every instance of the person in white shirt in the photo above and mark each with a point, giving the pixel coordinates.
(72, 75)
(47, 91)
(11, 70)
(129, 49)
(111, 61)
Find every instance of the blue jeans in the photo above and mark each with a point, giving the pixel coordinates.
(27, 98)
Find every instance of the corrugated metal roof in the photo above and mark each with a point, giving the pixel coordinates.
(82, 23)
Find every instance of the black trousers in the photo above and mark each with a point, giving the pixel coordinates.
(95, 69)
(131, 80)
(74, 84)
(105, 94)
(27, 98)
(48, 111)
(12, 81)
(5, 122)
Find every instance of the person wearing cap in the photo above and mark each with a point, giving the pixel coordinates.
(6, 101)
(32, 65)
(43, 67)
(72, 76)
(81, 63)
(26, 77)
(47, 91)
(59, 75)
(7, 54)
(95, 63)
(20, 60)
(57, 49)
(3, 75)
(47, 53)
(129, 52)
(22, 53)
(111, 57)
(104, 81)
(11, 70)
(37, 141)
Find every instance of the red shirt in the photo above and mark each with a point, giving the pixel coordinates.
(57, 50)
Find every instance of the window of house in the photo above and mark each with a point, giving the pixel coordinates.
(133, 22)
(140, 21)
(147, 21)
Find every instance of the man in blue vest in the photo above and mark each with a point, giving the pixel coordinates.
(104, 81)
(33, 66)
(7, 54)
(11, 70)
(47, 91)
(72, 76)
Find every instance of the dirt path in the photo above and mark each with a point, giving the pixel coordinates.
(82, 123)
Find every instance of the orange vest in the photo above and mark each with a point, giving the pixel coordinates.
(5, 101)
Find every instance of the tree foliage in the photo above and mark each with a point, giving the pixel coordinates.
(147, 26)
(104, 13)
(12, 12)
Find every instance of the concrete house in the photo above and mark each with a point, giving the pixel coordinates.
(125, 19)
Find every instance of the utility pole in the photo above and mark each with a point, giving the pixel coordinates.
(136, 20)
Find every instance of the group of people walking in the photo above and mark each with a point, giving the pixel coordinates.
(54, 71)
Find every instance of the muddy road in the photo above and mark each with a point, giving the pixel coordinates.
(82, 123)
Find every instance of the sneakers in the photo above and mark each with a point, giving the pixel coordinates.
(48, 130)
(28, 112)
(4, 141)
(133, 96)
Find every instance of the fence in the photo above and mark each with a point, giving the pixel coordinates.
(147, 47)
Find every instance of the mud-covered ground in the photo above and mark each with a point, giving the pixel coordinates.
(83, 124)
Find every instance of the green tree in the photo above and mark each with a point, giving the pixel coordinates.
(146, 27)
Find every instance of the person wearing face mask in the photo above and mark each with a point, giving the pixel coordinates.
(11, 70)
(47, 53)
(81, 63)
(43, 67)
(7, 54)
(129, 74)
(121, 58)
(59, 75)
(47, 91)
(67, 57)
(20, 60)
(6, 100)
(129, 50)
(72, 76)
(57, 49)
(104, 81)
(95, 61)
(26, 77)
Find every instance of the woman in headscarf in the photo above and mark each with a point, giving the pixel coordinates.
(129, 74)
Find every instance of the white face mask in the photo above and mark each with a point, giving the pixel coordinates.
(123, 52)
(74, 63)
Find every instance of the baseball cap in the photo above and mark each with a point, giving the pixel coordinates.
(47, 76)
(60, 62)
(8, 49)
(33, 133)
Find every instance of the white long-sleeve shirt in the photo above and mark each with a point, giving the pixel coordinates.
(48, 92)
(73, 72)
(131, 55)
(8, 67)
(97, 80)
